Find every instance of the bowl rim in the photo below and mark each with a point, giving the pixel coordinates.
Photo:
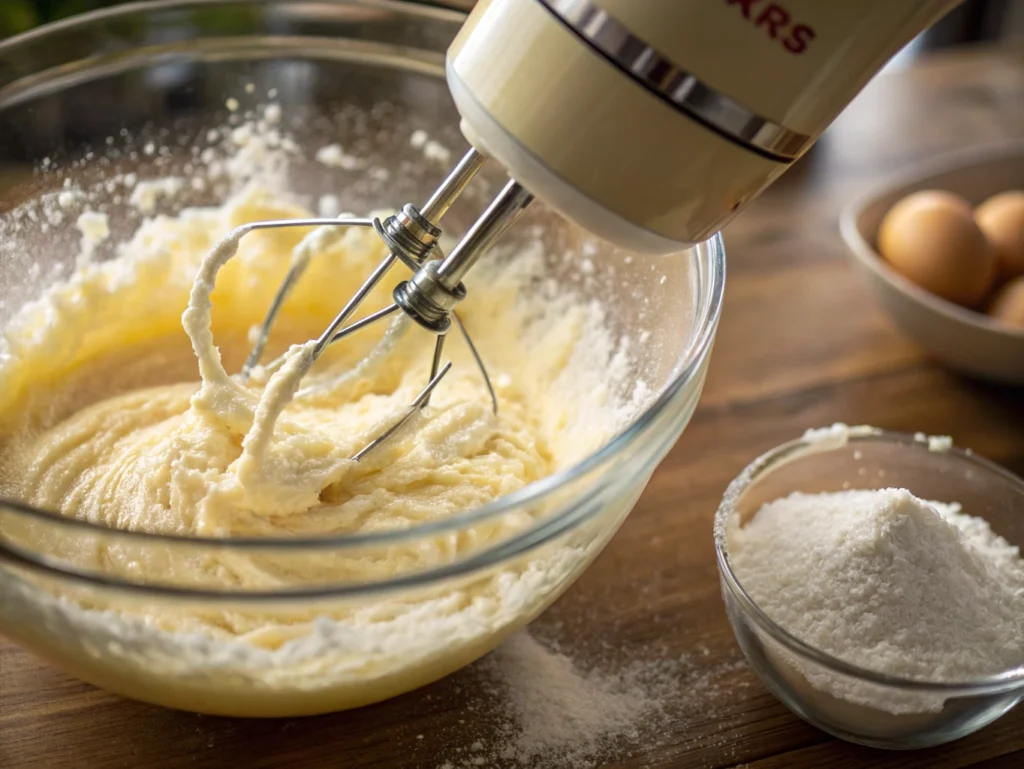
(79, 20)
(867, 255)
(1006, 680)
(709, 255)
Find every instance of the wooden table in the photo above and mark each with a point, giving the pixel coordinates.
(801, 344)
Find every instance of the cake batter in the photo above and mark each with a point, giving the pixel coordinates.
(105, 419)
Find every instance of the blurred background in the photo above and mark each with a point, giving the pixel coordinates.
(975, 21)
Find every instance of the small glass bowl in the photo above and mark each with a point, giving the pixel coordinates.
(865, 458)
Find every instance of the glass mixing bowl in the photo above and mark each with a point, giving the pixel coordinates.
(87, 103)
(931, 713)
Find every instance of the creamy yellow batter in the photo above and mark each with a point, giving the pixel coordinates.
(104, 418)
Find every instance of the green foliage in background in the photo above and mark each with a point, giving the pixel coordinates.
(18, 16)
(21, 15)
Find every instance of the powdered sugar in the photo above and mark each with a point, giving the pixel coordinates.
(335, 157)
(431, 148)
(95, 228)
(147, 194)
(328, 206)
(548, 709)
(556, 705)
(887, 582)
(836, 435)
(937, 443)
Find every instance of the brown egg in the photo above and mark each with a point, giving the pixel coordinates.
(1008, 304)
(1001, 218)
(932, 239)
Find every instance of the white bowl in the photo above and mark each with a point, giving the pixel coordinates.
(963, 339)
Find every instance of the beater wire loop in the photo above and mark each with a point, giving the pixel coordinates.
(417, 403)
(429, 297)
(435, 364)
(295, 271)
(479, 361)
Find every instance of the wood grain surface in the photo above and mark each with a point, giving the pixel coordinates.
(801, 344)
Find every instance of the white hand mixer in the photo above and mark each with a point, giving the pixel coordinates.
(651, 123)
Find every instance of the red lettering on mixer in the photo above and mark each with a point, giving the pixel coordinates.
(777, 22)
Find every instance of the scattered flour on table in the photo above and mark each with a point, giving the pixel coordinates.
(888, 582)
(556, 704)
(554, 711)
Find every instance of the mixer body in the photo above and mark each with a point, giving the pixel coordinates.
(653, 122)
(650, 123)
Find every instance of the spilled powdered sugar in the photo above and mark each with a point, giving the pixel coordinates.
(542, 707)
(556, 709)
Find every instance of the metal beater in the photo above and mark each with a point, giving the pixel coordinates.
(429, 297)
